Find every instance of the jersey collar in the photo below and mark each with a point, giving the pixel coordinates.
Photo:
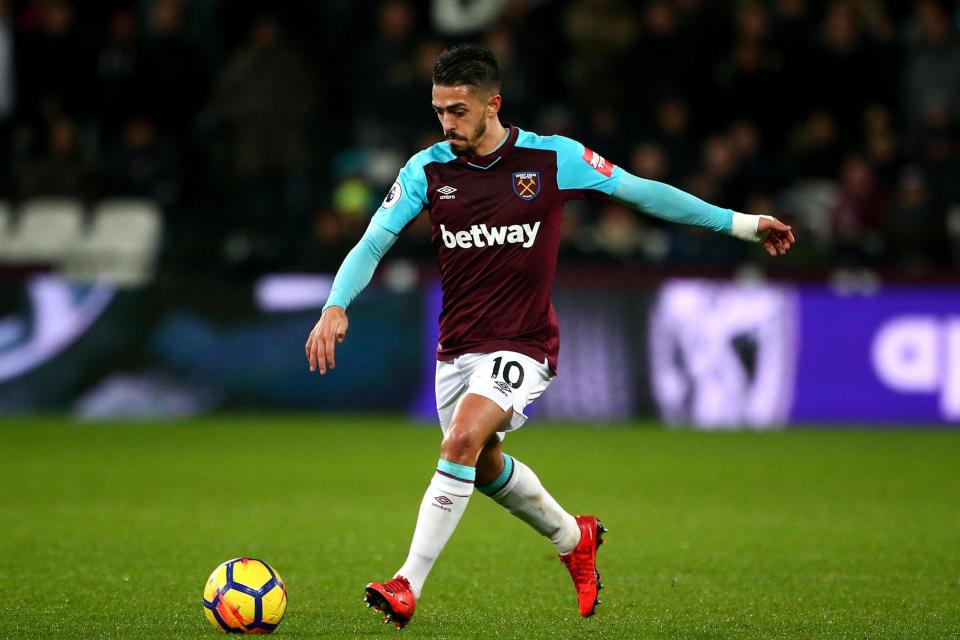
(484, 163)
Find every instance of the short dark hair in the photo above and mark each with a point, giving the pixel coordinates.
(467, 64)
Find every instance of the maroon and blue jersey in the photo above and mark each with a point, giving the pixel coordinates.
(496, 227)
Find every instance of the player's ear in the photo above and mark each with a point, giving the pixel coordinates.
(493, 105)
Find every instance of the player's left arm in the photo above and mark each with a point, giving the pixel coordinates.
(669, 203)
(580, 170)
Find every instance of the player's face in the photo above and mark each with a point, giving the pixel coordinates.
(463, 113)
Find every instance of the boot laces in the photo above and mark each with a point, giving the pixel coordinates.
(397, 585)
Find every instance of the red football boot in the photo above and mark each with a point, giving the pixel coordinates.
(393, 598)
(582, 564)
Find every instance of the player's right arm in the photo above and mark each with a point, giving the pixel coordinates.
(353, 276)
(402, 204)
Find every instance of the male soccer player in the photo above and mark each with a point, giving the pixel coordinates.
(495, 197)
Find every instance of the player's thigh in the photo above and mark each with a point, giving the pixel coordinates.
(450, 385)
(511, 380)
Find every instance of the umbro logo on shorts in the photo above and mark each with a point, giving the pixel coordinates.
(504, 388)
(480, 235)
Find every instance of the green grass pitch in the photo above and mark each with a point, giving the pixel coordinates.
(110, 531)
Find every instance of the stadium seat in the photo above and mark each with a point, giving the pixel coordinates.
(121, 246)
(6, 226)
(47, 228)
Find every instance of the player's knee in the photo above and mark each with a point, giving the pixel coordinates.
(461, 445)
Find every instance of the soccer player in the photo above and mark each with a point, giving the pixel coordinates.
(495, 195)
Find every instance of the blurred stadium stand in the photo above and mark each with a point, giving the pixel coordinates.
(199, 153)
(266, 133)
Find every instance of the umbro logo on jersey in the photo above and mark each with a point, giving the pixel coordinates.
(447, 192)
(480, 235)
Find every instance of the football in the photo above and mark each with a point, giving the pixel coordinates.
(245, 595)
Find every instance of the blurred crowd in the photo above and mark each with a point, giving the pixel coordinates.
(269, 131)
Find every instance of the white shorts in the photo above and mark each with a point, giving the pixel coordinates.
(510, 379)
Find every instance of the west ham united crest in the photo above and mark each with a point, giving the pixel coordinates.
(526, 184)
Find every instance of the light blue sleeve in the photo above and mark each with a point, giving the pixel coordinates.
(357, 268)
(403, 202)
(663, 201)
(408, 195)
(578, 168)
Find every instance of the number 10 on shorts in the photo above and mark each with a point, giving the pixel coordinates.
(510, 371)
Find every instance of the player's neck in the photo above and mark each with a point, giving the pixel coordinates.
(495, 136)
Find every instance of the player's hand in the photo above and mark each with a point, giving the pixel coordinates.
(330, 329)
(777, 237)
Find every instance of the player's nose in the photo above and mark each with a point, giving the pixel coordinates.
(448, 124)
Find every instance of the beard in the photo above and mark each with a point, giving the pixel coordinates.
(467, 148)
